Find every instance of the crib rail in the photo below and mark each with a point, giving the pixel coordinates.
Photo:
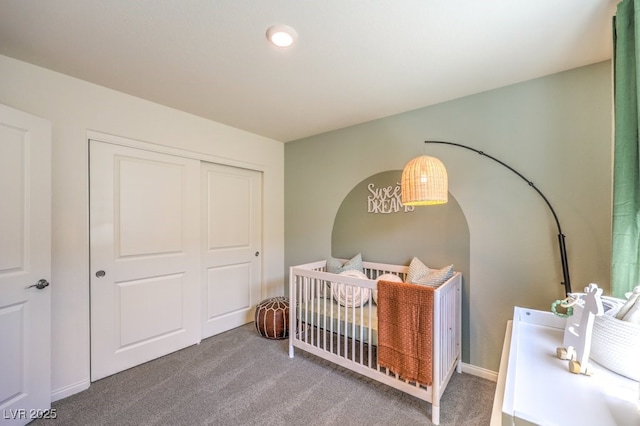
(347, 335)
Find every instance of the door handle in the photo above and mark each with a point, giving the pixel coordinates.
(40, 284)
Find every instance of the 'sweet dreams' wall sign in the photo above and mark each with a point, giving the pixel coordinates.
(386, 200)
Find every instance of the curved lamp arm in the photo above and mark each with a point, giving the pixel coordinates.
(563, 249)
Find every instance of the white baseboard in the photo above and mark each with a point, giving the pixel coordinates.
(69, 390)
(480, 372)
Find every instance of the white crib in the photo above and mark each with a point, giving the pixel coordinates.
(347, 336)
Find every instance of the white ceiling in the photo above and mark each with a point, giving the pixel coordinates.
(354, 60)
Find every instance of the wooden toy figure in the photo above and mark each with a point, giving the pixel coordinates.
(577, 333)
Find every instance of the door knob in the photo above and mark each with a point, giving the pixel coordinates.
(40, 284)
(100, 274)
(257, 253)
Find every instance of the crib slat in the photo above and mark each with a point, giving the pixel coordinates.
(315, 319)
(300, 293)
(370, 335)
(332, 330)
(304, 301)
(346, 332)
(353, 324)
(324, 317)
(361, 335)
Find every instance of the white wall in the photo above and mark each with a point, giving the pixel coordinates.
(75, 107)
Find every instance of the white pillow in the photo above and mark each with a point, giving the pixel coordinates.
(385, 277)
(335, 266)
(350, 296)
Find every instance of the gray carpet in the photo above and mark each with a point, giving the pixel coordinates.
(240, 378)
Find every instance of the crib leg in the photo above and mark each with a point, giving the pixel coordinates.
(459, 366)
(435, 414)
(291, 351)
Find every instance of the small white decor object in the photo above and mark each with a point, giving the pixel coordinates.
(630, 303)
(577, 333)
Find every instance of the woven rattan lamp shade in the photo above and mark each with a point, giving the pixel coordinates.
(424, 182)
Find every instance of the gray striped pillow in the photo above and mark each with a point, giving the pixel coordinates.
(436, 277)
(417, 270)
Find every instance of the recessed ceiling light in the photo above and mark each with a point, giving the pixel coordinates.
(282, 35)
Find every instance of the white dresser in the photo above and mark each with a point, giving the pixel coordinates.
(535, 387)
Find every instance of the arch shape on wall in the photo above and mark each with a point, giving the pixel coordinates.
(372, 222)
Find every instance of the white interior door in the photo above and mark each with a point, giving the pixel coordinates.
(232, 229)
(25, 259)
(145, 256)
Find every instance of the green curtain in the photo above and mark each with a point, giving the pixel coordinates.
(626, 170)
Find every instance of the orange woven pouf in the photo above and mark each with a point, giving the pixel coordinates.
(272, 318)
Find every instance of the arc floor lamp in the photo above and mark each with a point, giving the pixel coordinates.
(424, 182)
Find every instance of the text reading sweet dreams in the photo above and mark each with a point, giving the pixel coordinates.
(386, 200)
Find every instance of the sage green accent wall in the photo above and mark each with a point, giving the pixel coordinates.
(372, 221)
(555, 130)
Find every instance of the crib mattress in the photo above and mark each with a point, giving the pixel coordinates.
(329, 315)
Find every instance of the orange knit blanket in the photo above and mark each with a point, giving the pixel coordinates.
(405, 330)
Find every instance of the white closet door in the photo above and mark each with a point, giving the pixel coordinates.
(25, 259)
(145, 256)
(231, 259)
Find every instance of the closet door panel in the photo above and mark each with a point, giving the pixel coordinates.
(232, 229)
(145, 256)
